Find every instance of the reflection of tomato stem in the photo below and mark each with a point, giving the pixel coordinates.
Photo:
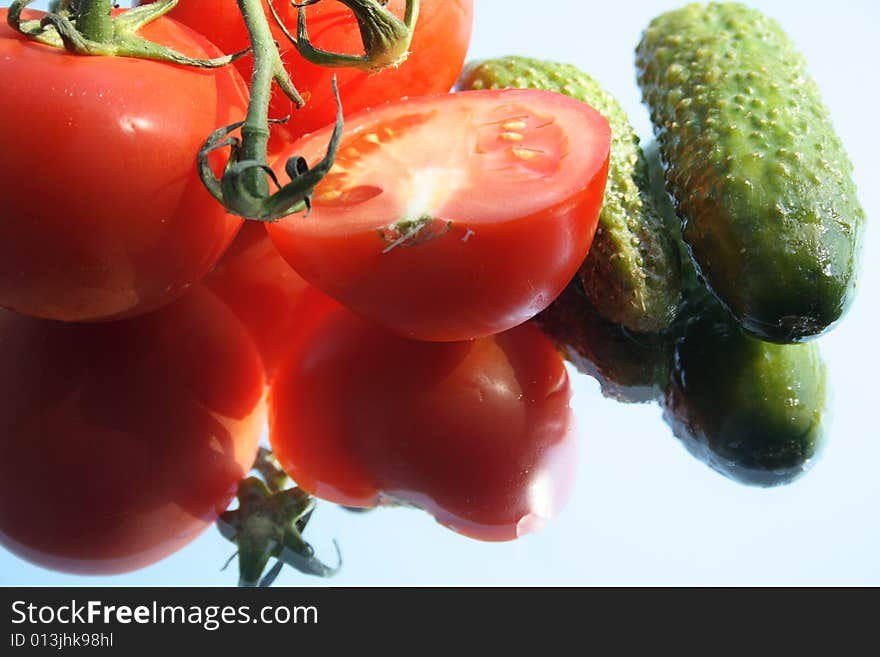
(269, 524)
(267, 465)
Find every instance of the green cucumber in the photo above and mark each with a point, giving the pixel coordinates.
(631, 274)
(753, 410)
(760, 179)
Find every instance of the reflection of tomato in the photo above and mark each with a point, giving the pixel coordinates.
(264, 293)
(437, 53)
(104, 214)
(477, 433)
(120, 443)
(456, 216)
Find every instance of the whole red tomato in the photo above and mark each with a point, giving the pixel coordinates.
(104, 215)
(479, 434)
(121, 442)
(438, 48)
(269, 298)
(453, 216)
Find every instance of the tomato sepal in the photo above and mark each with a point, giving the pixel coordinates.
(386, 38)
(89, 31)
(237, 189)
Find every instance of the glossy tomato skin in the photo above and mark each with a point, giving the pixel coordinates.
(479, 434)
(121, 442)
(271, 300)
(104, 215)
(505, 238)
(437, 53)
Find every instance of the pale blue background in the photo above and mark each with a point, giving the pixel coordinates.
(644, 511)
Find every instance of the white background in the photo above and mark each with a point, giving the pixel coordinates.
(644, 511)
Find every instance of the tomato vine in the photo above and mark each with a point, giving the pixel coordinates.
(271, 515)
(89, 27)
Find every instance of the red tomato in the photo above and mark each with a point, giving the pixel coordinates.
(437, 52)
(263, 291)
(121, 442)
(456, 216)
(479, 434)
(104, 215)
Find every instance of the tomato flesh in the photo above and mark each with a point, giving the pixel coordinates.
(479, 433)
(453, 217)
(122, 442)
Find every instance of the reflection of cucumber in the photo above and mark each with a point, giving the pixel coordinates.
(760, 179)
(631, 273)
(629, 367)
(752, 410)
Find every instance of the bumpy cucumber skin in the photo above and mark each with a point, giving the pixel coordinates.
(752, 410)
(631, 274)
(760, 179)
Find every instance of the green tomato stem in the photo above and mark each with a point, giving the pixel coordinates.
(109, 36)
(94, 20)
(267, 67)
(244, 187)
(269, 524)
(255, 131)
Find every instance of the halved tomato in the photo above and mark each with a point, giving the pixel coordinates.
(456, 216)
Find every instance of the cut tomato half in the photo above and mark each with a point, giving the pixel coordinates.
(456, 216)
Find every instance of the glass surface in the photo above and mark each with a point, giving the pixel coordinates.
(643, 510)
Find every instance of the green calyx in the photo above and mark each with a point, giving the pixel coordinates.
(243, 187)
(268, 524)
(385, 37)
(88, 27)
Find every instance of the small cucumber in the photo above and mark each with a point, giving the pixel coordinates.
(760, 179)
(754, 411)
(631, 274)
